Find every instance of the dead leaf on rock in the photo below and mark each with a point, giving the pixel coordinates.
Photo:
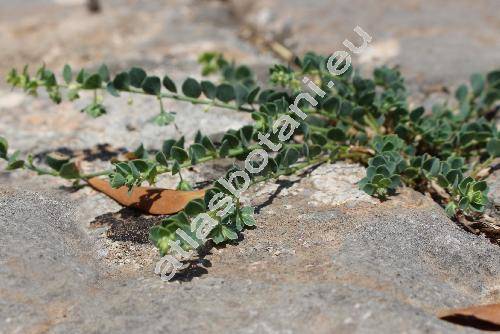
(155, 201)
(485, 317)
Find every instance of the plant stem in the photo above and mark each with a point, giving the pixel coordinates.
(480, 167)
(173, 96)
(291, 170)
(335, 118)
(91, 175)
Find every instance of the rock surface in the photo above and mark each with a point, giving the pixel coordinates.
(325, 257)
(356, 267)
(434, 42)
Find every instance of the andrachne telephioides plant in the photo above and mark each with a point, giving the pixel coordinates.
(365, 120)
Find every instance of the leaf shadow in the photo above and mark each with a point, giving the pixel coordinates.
(282, 185)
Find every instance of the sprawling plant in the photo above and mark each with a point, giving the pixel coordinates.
(366, 120)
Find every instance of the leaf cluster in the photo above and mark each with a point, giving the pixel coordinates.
(362, 119)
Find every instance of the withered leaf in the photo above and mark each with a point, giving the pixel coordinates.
(485, 317)
(155, 201)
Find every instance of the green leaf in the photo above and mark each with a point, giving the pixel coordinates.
(216, 234)
(402, 131)
(191, 88)
(93, 82)
(67, 74)
(290, 157)
(152, 85)
(169, 84)
(4, 147)
(416, 114)
(369, 189)
(492, 96)
(241, 94)
(493, 147)
(331, 104)
(455, 162)
(180, 142)
(140, 165)
(246, 214)
(94, 110)
(442, 181)
(136, 174)
(197, 137)
(314, 151)
(463, 204)
(464, 183)
(195, 207)
(232, 140)
(461, 93)
(224, 149)
(208, 144)
(377, 178)
(122, 81)
(167, 147)
(110, 88)
(184, 186)
(16, 164)
(451, 209)
(305, 150)
(104, 73)
(252, 95)
(336, 134)
(140, 152)
(225, 92)
(243, 72)
(163, 118)
(318, 139)
(123, 168)
(179, 154)
(69, 171)
(384, 183)
(480, 186)
(477, 207)
(246, 134)
(411, 172)
(196, 152)
(56, 160)
(382, 170)
(161, 158)
(161, 237)
(137, 76)
(395, 181)
(454, 177)
(81, 76)
(435, 167)
(209, 89)
(176, 168)
(117, 180)
(493, 79)
(477, 82)
(229, 233)
(73, 94)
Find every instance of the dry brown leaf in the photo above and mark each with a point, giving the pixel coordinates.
(485, 317)
(155, 201)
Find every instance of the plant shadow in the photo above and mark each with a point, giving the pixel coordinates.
(282, 185)
(127, 225)
(103, 152)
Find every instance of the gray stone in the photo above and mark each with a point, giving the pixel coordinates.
(152, 35)
(434, 42)
(494, 193)
(354, 267)
(325, 257)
